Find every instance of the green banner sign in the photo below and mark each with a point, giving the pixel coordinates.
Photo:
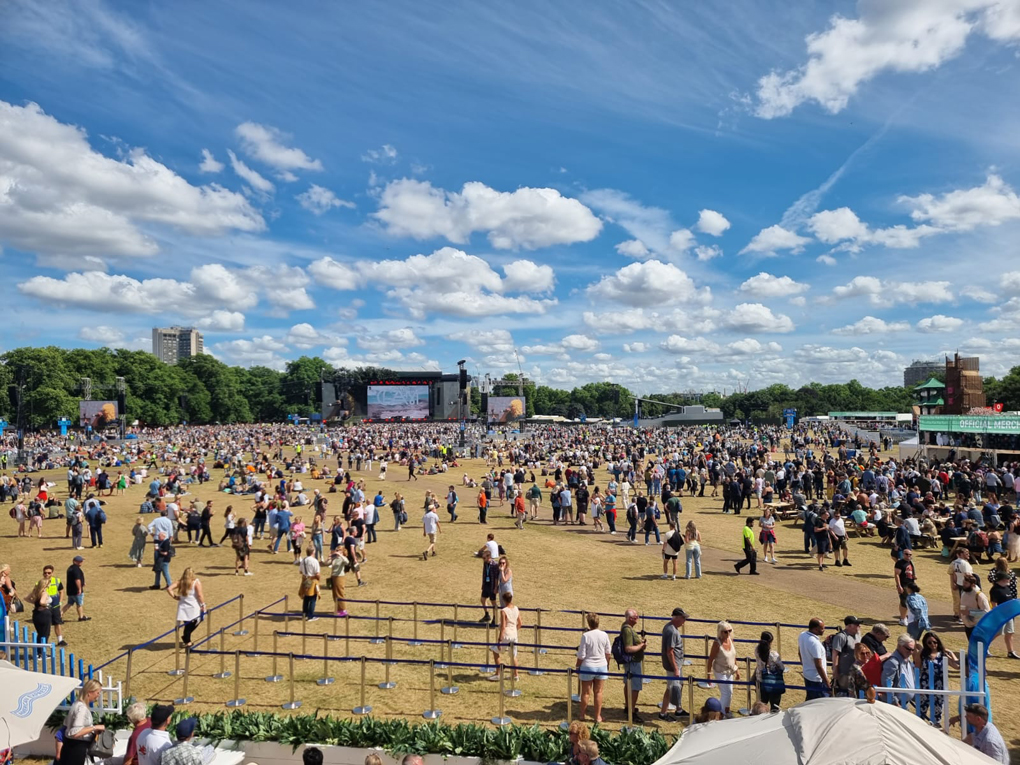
(949, 423)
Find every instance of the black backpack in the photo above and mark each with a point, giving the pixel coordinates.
(621, 656)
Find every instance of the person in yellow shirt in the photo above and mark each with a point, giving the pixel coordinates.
(750, 553)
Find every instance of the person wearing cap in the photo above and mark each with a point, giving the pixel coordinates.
(153, 741)
(183, 752)
(672, 654)
(75, 588)
(985, 736)
(843, 644)
(712, 710)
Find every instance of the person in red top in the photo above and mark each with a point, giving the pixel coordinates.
(483, 506)
(136, 716)
(520, 510)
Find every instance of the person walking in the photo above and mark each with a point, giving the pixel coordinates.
(769, 672)
(812, 660)
(506, 642)
(633, 680)
(692, 549)
(651, 527)
(96, 518)
(207, 513)
(917, 611)
(139, 533)
(162, 553)
(429, 529)
(534, 501)
(187, 591)
(721, 664)
(229, 522)
(593, 665)
(241, 541)
(310, 579)
(672, 655)
(750, 553)
(397, 508)
(767, 534)
(75, 583)
(451, 503)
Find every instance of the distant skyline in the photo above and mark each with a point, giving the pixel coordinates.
(665, 196)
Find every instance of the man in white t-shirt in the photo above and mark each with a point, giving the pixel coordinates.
(959, 570)
(153, 741)
(310, 577)
(173, 511)
(430, 527)
(812, 659)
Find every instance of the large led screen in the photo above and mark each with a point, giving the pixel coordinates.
(97, 414)
(506, 408)
(387, 402)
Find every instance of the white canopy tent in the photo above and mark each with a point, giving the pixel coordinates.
(28, 700)
(823, 732)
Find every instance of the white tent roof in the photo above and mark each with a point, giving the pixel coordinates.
(823, 732)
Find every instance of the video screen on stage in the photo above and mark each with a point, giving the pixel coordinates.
(97, 414)
(387, 402)
(506, 408)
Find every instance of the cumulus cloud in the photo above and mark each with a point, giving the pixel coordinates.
(527, 218)
(712, 223)
(707, 251)
(404, 337)
(209, 163)
(634, 248)
(906, 36)
(881, 292)
(681, 240)
(826, 260)
(254, 180)
(107, 336)
(651, 282)
(939, 323)
(768, 286)
(266, 144)
(305, 336)
(871, 325)
(774, 238)
(843, 225)
(526, 276)
(265, 351)
(385, 155)
(222, 321)
(992, 204)
(491, 341)
(580, 343)
(755, 317)
(637, 347)
(319, 200)
(59, 197)
(338, 276)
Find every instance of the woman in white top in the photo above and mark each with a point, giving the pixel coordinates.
(509, 624)
(187, 591)
(593, 663)
(229, 523)
(722, 663)
(79, 728)
(767, 535)
(692, 540)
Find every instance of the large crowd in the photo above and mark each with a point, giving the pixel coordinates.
(298, 487)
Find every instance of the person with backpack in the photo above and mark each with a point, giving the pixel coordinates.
(629, 652)
(241, 539)
(671, 544)
(840, 647)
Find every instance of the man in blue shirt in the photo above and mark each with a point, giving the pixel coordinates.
(283, 516)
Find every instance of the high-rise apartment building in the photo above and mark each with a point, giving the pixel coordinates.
(170, 344)
(921, 371)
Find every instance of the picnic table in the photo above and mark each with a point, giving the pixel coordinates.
(957, 543)
(784, 510)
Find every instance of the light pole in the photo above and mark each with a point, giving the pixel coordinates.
(462, 379)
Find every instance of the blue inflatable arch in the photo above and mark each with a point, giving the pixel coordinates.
(985, 632)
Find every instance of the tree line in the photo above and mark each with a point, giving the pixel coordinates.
(203, 390)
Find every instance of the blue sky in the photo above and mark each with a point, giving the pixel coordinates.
(669, 196)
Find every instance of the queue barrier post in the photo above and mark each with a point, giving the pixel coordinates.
(377, 640)
(746, 711)
(485, 650)
(450, 688)
(501, 719)
(514, 691)
(455, 620)
(177, 671)
(442, 645)
(347, 635)
(255, 632)
(387, 684)
(127, 678)
(628, 697)
(286, 612)
(304, 636)
(223, 673)
(538, 630)
(292, 704)
(690, 701)
(570, 700)
(362, 708)
(237, 701)
(185, 698)
(241, 631)
(707, 682)
(536, 672)
(276, 676)
(779, 638)
(208, 625)
(414, 642)
(432, 713)
(325, 679)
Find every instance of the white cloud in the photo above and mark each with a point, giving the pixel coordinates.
(338, 276)
(550, 349)
(992, 204)
(319, 200)
(617, 322)
(580, 343)
(826, 260)
(769, 240)
(528, 217)
(939, 323)
(887, 292)
(217, 284)
(712, 223)
(904, 36)
(222, 321)
(249, 176)
(385, 155)
(305, 336)
(492, 341)
(526, 276)
(634, 248)
(59, 197)
(259, 351)
(843, 225)
(754, 317)
(602, 356)
(871, 325)
(209, 163)
(707, 251)
(390, 340)
(649, 225)
(265, 144)
(681, 240)
(419, 303)
(638, 347)
(680, 344)
(978, 294)
(290, 299)
(765, 285)
(798, 301)
(748, 346)
(107, 336)
(652, 282)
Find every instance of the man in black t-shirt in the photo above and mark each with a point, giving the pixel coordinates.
(75, 588)
(998, 594)
(350, 550)
(903, 572)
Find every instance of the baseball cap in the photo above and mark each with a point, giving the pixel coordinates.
(186, 727)
(78, 559)
(679, 612)
(160, 714)
(851, 620)
(713, 704)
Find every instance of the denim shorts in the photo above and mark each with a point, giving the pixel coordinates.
(78, 600)
(589, 672)
(636, 673)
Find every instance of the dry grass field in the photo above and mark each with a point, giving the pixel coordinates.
(569, 568)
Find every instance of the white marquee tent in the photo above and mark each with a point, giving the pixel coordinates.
(823, 732)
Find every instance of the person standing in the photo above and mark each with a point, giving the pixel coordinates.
(490, 587)
(903, 572)
(520, 511)
(483, 503)
(721, 663)
(506, 641)
(671, 544)
(161, 560)
(310, 578)
(95, 517)
(451, 503)
(767, 534)
(429, 529)
(42, 615)
(898, 671)
(672, 653)
(76, 589)
(207, 514)
(633, 680)
(769, 670)
(750, 553)
(931, 658)
(843, 644)
(812, 660)
(593, 664)
(53, 589)
(139, 533)
(534, 501)
(959, 570)
(241, 541)
(692, 549)
(187, 591)
(998, 594)
(79, 726)
(338, 564)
